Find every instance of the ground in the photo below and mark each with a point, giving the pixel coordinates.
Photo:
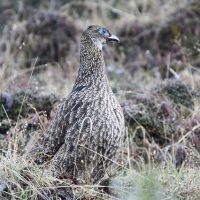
(154, 72)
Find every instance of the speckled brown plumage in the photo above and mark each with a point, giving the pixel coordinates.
(88, 127)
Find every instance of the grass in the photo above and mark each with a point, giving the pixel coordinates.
(151, 181)
(27, 180)
(141, 181)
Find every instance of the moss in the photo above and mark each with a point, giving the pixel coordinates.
(160, 112)
(27, 102)
(4, 126)
(180, 93)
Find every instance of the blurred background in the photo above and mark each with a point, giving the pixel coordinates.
(158, 39)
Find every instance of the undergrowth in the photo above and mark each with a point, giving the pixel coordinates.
(136, 176)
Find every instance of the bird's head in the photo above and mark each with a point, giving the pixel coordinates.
(99, 35)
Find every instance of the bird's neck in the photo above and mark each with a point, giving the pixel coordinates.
(92, 66)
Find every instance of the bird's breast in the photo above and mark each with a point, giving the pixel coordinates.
(100, 106)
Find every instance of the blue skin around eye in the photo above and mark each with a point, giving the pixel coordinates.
(104, 32)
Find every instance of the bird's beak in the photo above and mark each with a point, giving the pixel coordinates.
(113, 38)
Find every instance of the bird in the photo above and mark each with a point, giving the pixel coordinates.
(88, 128)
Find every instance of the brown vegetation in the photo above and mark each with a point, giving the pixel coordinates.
(155, 74)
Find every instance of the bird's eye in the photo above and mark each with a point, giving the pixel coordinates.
(104, 32)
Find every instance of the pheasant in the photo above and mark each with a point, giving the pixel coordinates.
(83, 138)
